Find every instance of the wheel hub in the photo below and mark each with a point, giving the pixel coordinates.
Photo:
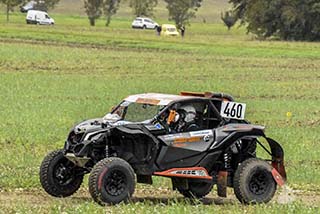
(258, 184)
(64, 174)
(115, 183)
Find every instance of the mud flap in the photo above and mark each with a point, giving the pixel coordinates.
(277, 158)
(222, 183)
(277, 177)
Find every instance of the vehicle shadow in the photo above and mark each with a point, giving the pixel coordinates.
(168, 201)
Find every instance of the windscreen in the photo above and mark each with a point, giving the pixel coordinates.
(137, 112)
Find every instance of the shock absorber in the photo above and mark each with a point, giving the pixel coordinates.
(107, 151)
(222, 182)
(227, 160)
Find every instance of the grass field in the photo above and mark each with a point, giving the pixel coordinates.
(53, 77)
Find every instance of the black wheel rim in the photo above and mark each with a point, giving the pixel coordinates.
(259, 183)
(64, 172)
(115, 183)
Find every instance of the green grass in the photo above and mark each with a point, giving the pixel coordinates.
(172, 206)
(54, 77)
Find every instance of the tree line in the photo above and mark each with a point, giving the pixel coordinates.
(279, 19)
(283, 19)
(179, 11)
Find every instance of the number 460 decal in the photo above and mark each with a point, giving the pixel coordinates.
(233, 110)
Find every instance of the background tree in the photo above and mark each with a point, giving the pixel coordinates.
(9, 5)
(228, 18)
(110, 8)
(182, 11)
(143, 7)
(284, 19)
(93, 10)
(45, 5)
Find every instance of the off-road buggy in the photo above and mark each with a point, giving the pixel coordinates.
(196, 139)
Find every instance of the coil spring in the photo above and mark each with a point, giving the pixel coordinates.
(227, 160)
(107, 151)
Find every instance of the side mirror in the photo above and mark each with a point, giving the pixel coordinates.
(171, 116)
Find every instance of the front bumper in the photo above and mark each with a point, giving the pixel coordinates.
(79, 161)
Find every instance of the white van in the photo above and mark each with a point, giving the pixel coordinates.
(39, 17)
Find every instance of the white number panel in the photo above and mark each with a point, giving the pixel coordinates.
(233, 110)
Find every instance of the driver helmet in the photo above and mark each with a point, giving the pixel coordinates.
(190, 113)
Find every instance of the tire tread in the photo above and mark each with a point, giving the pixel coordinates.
(45, 178)
(95, 173)
(239, 180)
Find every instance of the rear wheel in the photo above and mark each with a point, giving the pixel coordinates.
(58, 176)
(253, 182)
(111, 181)
(196, 189)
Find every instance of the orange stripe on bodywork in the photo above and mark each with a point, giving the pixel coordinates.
(186, 140)
(168, 173)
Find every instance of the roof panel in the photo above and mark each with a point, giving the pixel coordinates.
(156, 98)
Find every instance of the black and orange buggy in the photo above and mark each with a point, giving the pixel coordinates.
(196, 139)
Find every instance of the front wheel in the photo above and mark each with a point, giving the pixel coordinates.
(253, 182)
(111, 181)
(58, 176)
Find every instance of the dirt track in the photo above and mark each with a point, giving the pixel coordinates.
(153, 195)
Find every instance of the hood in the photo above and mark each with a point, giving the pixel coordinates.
(98, 123)
(88, 125)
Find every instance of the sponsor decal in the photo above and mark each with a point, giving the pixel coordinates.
(201, 133)
(158, 126)
(192, 172)
(181, 142)
(207, 138)
(187, 140)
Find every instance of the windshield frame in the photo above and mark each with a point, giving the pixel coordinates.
(171, 105)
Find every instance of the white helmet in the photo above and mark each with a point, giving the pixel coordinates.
(190, 113)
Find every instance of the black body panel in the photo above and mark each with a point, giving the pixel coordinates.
(172, 157)
(135, 144)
